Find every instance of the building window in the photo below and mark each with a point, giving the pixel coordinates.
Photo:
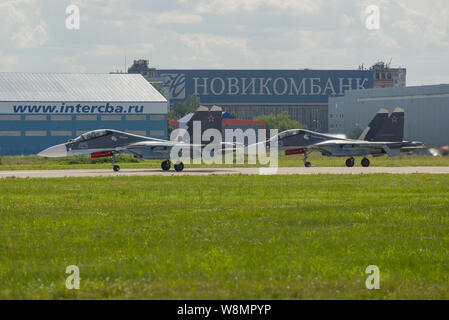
(157, 117)
(86, 118)
(10, 133)
(39, 133)
(36, 118)
(9, 118)
(61, 133)
(61, 118)
(111, 118)
(136, 118)
(157, 132)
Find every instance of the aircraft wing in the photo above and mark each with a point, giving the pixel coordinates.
(390, 148)
(360, 143)
(148, 149)
(171, 144)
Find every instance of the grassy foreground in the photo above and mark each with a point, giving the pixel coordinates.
(225, 237)
(127, 161)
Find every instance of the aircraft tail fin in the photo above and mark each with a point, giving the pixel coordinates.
(375, 125)
(392, 129)
(208, 119)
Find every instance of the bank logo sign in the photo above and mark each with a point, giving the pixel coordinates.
(264, 86)
(176, 83)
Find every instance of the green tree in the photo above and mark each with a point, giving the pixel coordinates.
(281, 122)
(180, 109)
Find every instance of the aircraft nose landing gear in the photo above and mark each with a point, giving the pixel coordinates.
(350, 162)
(115, 167)
(307, 164)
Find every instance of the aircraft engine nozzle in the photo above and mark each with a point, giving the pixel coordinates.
(59, 150)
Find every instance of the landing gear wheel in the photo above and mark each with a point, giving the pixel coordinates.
(179, 167)
(307, 164)
(350, 162)
(365, 162)
(116, 168)
(165, 165)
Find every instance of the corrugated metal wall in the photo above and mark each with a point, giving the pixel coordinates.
(426, 111)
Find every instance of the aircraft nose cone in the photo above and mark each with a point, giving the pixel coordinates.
(59, 150)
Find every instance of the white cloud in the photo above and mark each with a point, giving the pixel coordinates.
(28, 37)
(226, 33)
(347, 21)
(7, 62)
(173, 17)
(294, 7)
(209, 47)
(71, 64)
(103, 50)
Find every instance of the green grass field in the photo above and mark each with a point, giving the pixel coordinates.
(226, 237)
(127, 161)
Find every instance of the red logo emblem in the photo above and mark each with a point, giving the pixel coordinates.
(394, 119)
(211, 119)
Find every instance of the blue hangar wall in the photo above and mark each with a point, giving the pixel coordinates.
(28, 132)
(38, 110)
(249, 93)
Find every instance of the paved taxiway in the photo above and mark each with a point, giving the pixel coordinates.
(221, 171)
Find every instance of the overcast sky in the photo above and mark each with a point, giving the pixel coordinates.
(251, 34)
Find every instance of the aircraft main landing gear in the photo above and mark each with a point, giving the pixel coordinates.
(115, 167)
(350, 162)
(365, 162)
(179, 167)
(165, 165)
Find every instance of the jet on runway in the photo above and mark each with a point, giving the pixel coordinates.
(108, 142)
(384, 135)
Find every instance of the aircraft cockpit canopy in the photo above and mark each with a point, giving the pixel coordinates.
(289, 133)
(91, 135)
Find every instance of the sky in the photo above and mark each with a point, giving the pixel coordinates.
(230, 34)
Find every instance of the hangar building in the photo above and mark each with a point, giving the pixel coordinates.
(303, 93)
(250, 93)
(38, 110)
(426, 111)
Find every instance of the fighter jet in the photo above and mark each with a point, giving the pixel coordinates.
(384, 135)
(109, 142)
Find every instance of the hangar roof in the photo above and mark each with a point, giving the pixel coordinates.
(77, 87)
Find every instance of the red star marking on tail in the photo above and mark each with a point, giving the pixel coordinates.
(211, 119)
(394, 119)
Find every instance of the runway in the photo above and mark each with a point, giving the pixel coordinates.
(222, 171)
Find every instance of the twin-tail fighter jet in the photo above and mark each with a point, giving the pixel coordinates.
(384, 135)
(108, 142)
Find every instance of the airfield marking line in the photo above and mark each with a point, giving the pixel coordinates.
(220, 171)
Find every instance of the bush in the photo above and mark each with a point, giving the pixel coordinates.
(281, 122)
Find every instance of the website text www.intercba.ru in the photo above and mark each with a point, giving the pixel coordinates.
(78, 108)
